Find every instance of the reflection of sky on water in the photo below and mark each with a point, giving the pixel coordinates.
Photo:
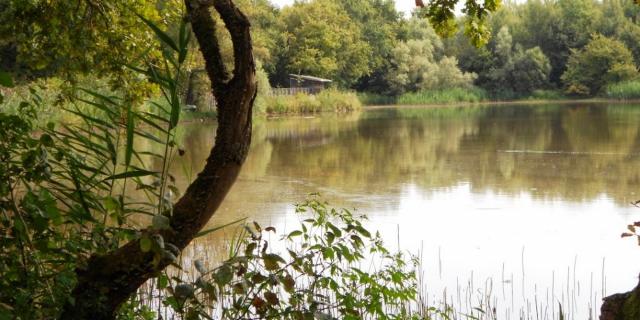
(481, 237)
(480, 232)
(450, 181)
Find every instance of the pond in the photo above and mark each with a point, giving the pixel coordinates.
(521, 206)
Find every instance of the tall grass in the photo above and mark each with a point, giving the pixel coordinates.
(452, 95)
(623, 90)
(326, 101)
(504, 295)
(372, 99)
(546, 95)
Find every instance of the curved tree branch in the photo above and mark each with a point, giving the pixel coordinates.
(109, 280)
(204, 28)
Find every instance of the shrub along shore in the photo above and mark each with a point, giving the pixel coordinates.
(334, 100)
(624, 91)
(326, 101)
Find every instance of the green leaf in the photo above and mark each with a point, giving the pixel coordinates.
(175, 110)
(294, 234)
(363, 231)
(216, 228)
(145, 244)
(5, 80)
(163, 281)
(46, 140)
(131, 174)
(111, 203)
(223, 275)
(327, 253)
(183, 291)
(184, 42)
(249, 249)
(289, 283)
(164, 37)
(129, 146)
(335, 229)
(101, 97)
(271, 261)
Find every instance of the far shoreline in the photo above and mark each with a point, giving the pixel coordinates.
(501, 102)
(211, 116)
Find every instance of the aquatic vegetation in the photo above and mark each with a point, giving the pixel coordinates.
(443, 96)
(326, 101)
(623, 90)
(331, 267)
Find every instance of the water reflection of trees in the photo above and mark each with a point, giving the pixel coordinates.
(569, 152)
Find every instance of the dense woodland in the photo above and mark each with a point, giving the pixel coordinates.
(575, 47)
(578, 46)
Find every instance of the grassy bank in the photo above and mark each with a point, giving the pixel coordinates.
(326, 101)
(454, 96)
(623, 90)
(444, 96)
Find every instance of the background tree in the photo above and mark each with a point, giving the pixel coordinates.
(322, 40)
(380, 24)
(517, 71)
(70, 38)
(108, 280)
(503, 46)
(529, 69)
(418, 64)
(602, 61)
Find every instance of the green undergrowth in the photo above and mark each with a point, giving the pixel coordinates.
(546, 95)
(444, 96)
(330, 267)
(331, 100)
(452, 95)
(623, 90)
(376, 99)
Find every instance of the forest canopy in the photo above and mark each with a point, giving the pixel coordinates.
(367, 46)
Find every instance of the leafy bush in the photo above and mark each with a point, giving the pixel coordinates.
(418, 66)
(529, 70)
(601, 62)
(473, 94)
(330, 100)
(65, 192)
(546, 95)
(320, 275)
(514, 71)
(259, 105)
(339, 101)
(371, 98)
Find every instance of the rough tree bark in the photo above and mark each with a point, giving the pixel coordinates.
(622, 306)
(109, 280)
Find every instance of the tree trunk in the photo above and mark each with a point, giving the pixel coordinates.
(109, 280)
(622, 306)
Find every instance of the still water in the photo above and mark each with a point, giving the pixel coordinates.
(521, 203)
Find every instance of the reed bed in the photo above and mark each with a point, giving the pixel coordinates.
(511, 296)
(452, 95)
(623, 90)
(330, 100)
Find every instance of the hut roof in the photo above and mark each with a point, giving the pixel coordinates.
(310, 78)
